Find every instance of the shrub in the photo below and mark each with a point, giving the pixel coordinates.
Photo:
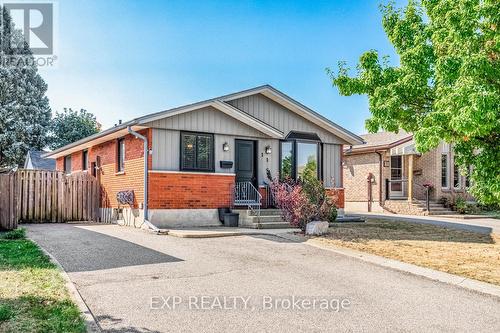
(14, 234)
(460, 205)
(303, 201)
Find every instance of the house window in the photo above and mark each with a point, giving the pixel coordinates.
(456, 177)
(444, 171)
(299, 158)
(467, 177)
(67, 164)
(120, 166)
(197, 152)
(286, 159)
(85, 157)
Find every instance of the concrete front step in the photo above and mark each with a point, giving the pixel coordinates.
(270, 225)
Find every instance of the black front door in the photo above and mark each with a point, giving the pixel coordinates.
(245, 161)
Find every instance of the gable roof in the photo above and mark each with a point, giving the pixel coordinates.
(379, 141)
(38, 162)
(221, 104)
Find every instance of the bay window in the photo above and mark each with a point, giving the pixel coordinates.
(299, 158)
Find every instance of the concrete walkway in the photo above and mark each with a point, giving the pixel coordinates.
(224, 232)
(130, 278)
(484, 225)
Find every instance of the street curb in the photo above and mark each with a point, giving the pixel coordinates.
(90, 322)
(215, 234)
(471, 284)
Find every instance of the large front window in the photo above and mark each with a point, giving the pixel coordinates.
(299, 159)
(197, 152)
(444, 170)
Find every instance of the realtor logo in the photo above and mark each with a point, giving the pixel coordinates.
(36, 23)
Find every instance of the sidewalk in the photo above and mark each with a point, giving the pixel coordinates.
(223, 232)
(484, 225)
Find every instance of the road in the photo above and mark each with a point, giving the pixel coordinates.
(134, 281)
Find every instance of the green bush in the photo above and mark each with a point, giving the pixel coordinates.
(332, 215)
(461, 205)
(14, 234)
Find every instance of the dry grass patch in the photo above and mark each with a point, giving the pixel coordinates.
(464, 253)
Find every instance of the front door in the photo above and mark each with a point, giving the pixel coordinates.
(245, 161)
(397, 176)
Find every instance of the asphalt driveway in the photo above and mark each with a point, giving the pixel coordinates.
(135, 281)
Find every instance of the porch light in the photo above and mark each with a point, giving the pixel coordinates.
(268, 150)
(225, 146)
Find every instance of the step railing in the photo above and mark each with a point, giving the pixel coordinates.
(245, 194)
(389, 195)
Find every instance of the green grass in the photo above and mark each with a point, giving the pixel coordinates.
(14, 234)
(33, 297)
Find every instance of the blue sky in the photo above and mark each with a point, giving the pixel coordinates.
(123, 59)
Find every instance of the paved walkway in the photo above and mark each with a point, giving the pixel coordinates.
(484, 225)
(130, 280)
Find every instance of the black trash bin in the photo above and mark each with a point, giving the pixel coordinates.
(231, 219)
(223, 211)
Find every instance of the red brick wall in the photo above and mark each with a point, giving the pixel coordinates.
(111, 181)
(337, 195)
(189, 190)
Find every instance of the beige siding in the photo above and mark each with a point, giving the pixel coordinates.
(166, 145)
(280, 117)
(208, 120)
(331, 165)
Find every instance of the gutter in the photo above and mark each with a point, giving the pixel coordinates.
(146, 158)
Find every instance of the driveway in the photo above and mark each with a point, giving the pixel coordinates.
(131, 280)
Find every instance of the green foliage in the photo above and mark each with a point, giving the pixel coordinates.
(332, 213)
(70, 126)
(14, 234)
(446, 86)
(460, 205)
(24, 109)
(6, 312)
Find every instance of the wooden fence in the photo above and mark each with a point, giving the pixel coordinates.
(38, 196)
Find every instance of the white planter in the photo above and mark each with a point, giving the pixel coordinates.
(316, 228)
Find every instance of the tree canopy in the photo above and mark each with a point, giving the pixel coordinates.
(24, 109)
(70, 126)
(446, 86)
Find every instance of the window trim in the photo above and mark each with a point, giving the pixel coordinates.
(212, 162)
(456, 168)
(120, 168)
(66, 171)
(85, 159)
(319, 154)
(447, 187)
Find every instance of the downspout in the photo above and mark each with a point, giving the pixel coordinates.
(380, 178)
(146, 158)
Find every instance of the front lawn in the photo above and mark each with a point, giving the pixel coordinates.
(464, 253)
(33, 297)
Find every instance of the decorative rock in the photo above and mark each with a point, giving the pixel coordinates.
(316, 228)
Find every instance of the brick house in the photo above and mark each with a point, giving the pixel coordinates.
(387, 173)
(206, 155)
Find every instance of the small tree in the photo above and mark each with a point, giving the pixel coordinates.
(70, 126)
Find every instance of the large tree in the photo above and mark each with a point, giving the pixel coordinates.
(70, 126)
(24, 109)
(446, 86)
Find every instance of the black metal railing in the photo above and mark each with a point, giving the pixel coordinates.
(245, 194)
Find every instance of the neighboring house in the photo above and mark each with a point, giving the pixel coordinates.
(387, 173)
(35, 161)
(210, 154)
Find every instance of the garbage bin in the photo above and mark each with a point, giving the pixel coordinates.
(223, 211)
(231, 219)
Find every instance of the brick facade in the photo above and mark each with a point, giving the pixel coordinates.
(171, 190)
(112, 181)
(426, 169)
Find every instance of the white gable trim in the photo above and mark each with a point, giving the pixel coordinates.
(302, 111)
(224, 108)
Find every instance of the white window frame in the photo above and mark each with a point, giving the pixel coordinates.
(447, 171)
